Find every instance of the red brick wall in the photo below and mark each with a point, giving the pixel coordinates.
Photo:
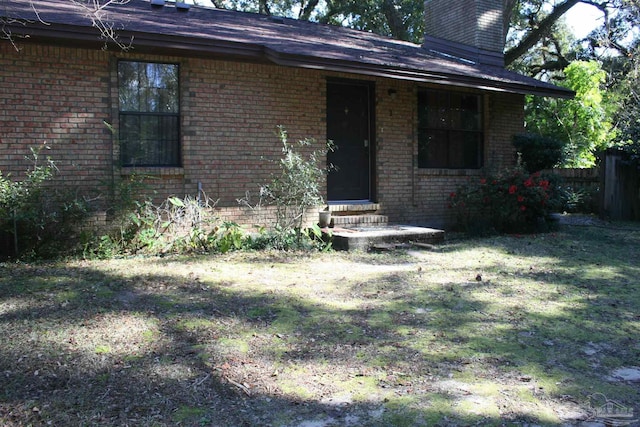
(59, 97)
(409, 194)
(229, 116)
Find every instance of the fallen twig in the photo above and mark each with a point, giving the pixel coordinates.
(242, 387)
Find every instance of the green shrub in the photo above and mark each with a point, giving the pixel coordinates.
(580, 200)
(292, 191)
(538, 152)
(228, 237)
(512, 201)
(174, 226)
(311, 238)
(37, 219)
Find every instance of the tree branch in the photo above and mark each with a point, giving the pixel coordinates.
(536, 33)
(508, 8)
(7, 34)
(95, 11)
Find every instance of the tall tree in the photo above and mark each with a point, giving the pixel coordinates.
(626, 99)
(583, 123)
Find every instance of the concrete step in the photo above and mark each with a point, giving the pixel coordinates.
(365, 238)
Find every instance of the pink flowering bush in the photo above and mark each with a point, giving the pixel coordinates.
(511, 201)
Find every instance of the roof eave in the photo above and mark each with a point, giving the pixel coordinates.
(420, 76)
(192, 46)
(76, 36)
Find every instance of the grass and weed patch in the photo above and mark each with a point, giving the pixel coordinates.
(502, 330)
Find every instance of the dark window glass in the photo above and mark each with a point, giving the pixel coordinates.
(449, 130)
(149, 114)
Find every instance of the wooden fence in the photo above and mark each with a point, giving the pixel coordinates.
(620, 186)
(612, 190)
(580, 179)
(582, 187)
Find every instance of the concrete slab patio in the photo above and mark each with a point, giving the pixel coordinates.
(364, 238)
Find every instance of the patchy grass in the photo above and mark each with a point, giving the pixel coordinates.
(494, 331)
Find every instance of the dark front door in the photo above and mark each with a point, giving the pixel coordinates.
(349, 127)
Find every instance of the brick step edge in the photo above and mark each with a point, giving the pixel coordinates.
(360, 219)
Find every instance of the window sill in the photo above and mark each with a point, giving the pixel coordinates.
(449, 172)
(152, 170)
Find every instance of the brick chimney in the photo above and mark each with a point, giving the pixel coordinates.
(468, 29)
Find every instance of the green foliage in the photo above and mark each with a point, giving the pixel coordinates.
(19, 199)
(311, 238)
(190, 225)
(627, 102)
(175, 226)
(228, 237)
(36, 216)
(401, 19)
(297, 187)
(579, 200)
(538, 152)
(583, 123)
(293, 191)
(277, 239)
(512, 201)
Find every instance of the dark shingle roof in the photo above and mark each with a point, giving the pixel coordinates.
(223, 33)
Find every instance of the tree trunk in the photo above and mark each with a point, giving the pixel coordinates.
(396, 25)
(264, 8)
(305, 12)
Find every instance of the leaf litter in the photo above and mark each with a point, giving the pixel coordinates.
(491, 331)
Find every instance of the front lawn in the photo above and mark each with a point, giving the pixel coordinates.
(514, 330)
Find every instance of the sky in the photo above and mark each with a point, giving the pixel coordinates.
(583, 18)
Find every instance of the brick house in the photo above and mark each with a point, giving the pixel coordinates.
(197, 99)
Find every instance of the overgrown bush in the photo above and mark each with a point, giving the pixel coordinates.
(174, 226)
(293, 191)
(308, 238)
(512, 201)
(36, 219)
(538, 152)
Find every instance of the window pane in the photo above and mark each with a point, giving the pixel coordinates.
(149, 140)
(473, 149)
(423, 109)
(439, 114)
(130, 149)
(129, 86)
(149, 114)
(449, 130)
(147, 87)
(470, 113)
(456, 150)
(432, 150)
(456, 111)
